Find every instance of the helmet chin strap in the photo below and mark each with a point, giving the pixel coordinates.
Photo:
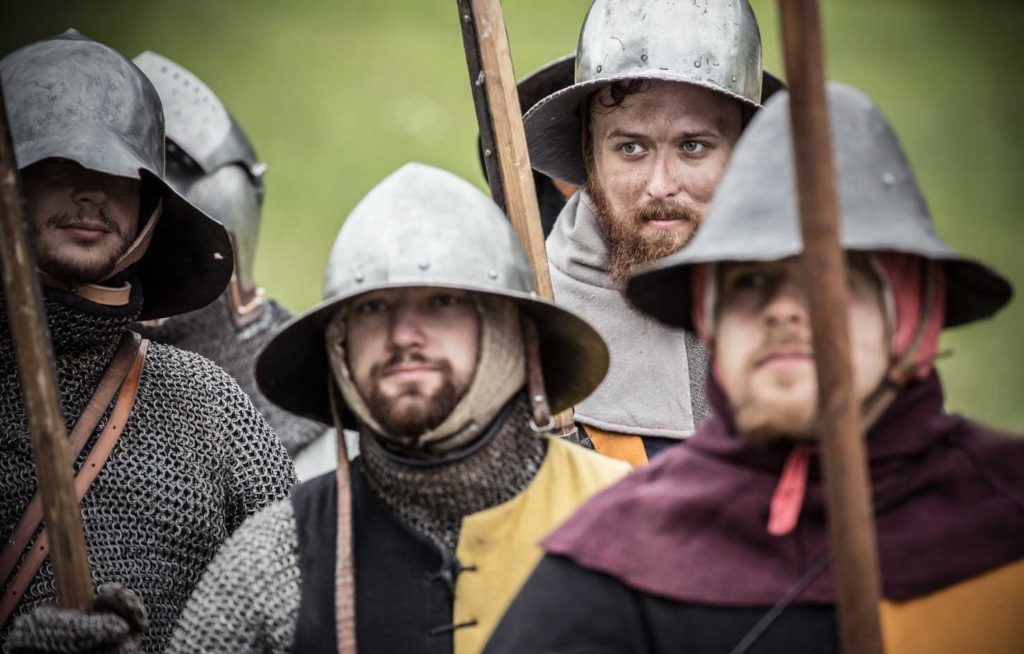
(113, 296)
(905, 366)
(541, 420)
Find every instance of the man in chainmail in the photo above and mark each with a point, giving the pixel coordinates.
(211, 162)
(662, 92)
(115, 243)
(426, 335)
(552, 194)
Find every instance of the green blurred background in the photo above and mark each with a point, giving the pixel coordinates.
(336, 94)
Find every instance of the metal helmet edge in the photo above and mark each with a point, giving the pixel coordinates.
(422, 226)
(754, 215)
(71, 97)
(715, 45)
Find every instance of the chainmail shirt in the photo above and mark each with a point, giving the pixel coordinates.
(432, 498)
(194, 460)
(210, 332)
(249, 599)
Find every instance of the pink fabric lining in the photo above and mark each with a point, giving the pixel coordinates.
(905, 277)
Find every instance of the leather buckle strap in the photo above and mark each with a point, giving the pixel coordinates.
(122, 377)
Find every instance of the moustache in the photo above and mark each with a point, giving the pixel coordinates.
(778, 340)
(84, 216)
(401, 358)
(662, 210)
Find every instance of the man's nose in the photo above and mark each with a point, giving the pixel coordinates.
(406, 327)
(786, 306)
(666, 178)
(90, 190)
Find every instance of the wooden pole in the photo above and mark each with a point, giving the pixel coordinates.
(506, 121)
(483, 117)
(37, 375)
(843, 455)
(506, 157)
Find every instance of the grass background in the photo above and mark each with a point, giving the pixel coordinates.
(336, 94)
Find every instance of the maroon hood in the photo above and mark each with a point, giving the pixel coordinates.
(692, 525)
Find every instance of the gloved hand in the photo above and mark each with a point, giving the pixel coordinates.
(116, 626)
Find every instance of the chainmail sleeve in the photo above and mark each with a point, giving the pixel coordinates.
(194, 458)
(248, 600)
(256, 460)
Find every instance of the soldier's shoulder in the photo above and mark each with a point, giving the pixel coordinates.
(268, 531)
(588, 469)
(191, 371)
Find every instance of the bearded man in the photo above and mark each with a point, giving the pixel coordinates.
(211, 162)
(436, 349)
(731, 530)
(663, 90)
(182, 455)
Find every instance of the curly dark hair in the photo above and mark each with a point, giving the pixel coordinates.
(617, 94)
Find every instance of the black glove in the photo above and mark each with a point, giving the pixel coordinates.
(115, 626)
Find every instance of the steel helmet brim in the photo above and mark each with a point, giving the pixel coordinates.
(70, 97)
(189, 261)
(554, 132)
(293, 370)
(754, 215)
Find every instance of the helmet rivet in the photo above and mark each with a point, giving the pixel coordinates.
(643, 57)
(888, 178)
(217, 256)
(488, 153)
(696, 63)
(492, 273)
(359, 278)
(538, 399)
(599, 69)
(424, 265)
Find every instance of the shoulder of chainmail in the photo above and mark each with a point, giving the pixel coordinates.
(256, 463)
(248, 600)
(210, 332)
(194, 459)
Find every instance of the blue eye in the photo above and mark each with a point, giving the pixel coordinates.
(694, 147)
(631, 148)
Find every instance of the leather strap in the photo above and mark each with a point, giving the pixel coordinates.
(83, 429)
(106, 295)
(117, 379)
(345, 567)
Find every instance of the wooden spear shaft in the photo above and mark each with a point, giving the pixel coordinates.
(37, 375)
(501, 123)
(506, 121)
(843, 456)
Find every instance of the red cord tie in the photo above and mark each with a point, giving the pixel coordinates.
(788, 498)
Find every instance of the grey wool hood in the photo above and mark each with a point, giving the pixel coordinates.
(655, 382)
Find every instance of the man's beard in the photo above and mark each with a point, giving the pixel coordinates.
(775, 412)
(77, 270)
(628, 247)
(402, 419)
